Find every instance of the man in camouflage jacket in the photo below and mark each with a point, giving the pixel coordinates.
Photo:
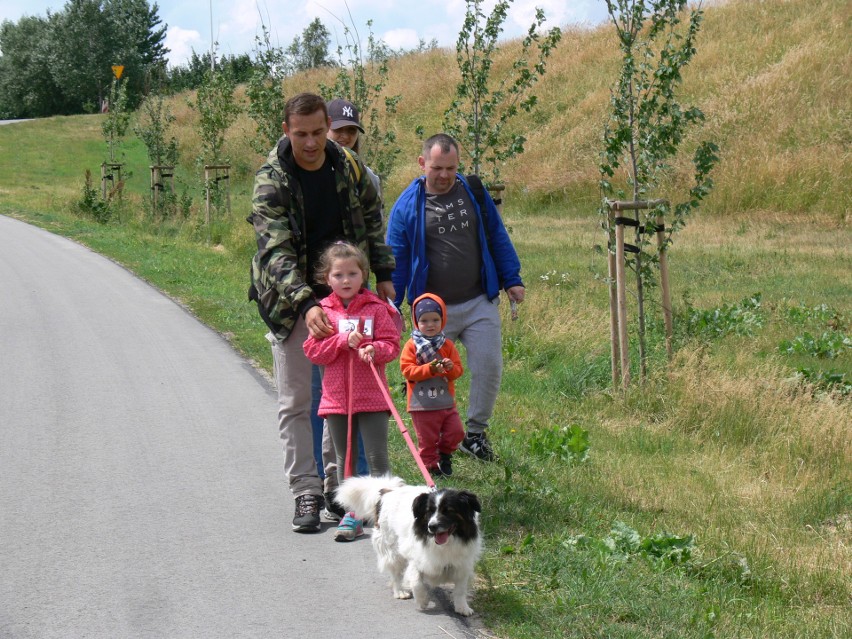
(282, 212)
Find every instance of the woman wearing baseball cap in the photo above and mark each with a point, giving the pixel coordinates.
(346, 130)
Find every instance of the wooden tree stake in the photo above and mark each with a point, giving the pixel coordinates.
(215, 168)
(613, 301)
(621, 293)
(664, 284)
(159, 172)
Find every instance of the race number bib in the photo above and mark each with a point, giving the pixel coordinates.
(350, 324)
(347, 324)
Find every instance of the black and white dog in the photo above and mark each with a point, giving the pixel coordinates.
(421, 538)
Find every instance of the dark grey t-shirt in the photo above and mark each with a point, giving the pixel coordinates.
(452, 246)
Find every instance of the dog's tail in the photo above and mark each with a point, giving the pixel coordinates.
(362, 495)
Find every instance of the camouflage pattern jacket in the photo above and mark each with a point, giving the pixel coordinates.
(279, 267)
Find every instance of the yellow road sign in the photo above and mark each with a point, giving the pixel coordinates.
(117, 70)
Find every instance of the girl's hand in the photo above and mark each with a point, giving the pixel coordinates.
(366, 353)
(448, 364)
(354, 339)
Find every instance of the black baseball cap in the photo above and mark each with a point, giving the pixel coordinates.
(343, 113)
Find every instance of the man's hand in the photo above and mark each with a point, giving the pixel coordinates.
(386, 291)
(516, 294)
(318, 325)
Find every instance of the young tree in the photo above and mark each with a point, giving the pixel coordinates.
(265, 92)
(646, 127)
(152, 127)
(114, 126)
(483, 105)
(154, 120)
(364, 85)
(311, 51)
(217, 110)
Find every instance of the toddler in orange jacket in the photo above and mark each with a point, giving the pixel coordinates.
(430, 364)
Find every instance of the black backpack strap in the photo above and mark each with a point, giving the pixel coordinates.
(478, 188)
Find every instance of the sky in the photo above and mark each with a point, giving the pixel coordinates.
(400, 23)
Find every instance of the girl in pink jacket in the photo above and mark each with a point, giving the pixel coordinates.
(364, 330)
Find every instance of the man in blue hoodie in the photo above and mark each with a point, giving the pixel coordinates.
(444, 244)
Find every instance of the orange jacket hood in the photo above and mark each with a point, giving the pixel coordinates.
(435, 298)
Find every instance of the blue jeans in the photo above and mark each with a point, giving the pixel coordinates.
(317, 422)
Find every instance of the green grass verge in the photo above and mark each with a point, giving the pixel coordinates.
(729, 443)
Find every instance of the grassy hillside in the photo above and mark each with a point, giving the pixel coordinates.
(772, 78)
(742, 442)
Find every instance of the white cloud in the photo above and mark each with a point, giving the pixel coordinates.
(558, 13)
(181, 43)
(244, 18)
(401, 24)
(401, 38)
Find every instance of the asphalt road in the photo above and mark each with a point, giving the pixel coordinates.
(141, 484)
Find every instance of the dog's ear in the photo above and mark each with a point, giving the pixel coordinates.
(419, 505)
(471, 500)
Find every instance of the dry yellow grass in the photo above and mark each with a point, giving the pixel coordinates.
(773, 79)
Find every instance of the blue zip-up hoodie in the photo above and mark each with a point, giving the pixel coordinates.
(500, 266)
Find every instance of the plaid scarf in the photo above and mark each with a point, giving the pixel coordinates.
(427, 347)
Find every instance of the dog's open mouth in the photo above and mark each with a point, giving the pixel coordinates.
(443, 536)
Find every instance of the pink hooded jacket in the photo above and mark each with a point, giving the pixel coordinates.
(333, 352)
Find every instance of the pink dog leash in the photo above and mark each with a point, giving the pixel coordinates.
(402, 429)
(347, 469)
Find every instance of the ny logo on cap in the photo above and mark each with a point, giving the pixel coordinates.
(347, 111)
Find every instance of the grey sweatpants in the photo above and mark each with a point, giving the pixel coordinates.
(292, 371)
(476, 324)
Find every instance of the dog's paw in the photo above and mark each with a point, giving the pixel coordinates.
(402, 594)
(463, 609)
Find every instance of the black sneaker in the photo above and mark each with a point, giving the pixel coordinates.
(445, 464)
(477, 445)
(332, 511)
(308, 508)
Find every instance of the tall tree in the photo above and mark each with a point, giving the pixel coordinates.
(81, 54)
(136, 41)
(63, 64)
(191, 75)
(485, 100)
(311, 50)
(27, 88)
